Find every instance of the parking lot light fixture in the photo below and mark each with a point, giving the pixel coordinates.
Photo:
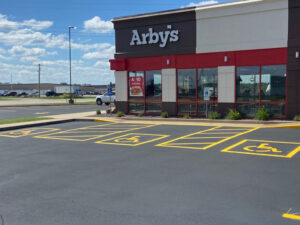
(71, 101)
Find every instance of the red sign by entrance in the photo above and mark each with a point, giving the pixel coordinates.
(136, 85)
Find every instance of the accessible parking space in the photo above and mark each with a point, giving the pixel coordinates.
(206, 139)
(27, 132)
(149, 174)
(93, 132)
(226, 139)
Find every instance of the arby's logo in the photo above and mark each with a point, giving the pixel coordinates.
(152, 37)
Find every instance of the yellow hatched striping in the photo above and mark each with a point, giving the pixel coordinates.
(203, 138)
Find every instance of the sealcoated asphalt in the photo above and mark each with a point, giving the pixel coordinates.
(125, 173)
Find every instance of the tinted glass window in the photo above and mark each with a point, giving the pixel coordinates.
(207, 79)
(153, 84)
(273, 83)
(247, 88)
(186, 84)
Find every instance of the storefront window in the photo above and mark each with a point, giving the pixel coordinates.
(255, 90)
(136, 107)
(153, 84)
(186, 84)
(153, 91)
(187, 108)
(275, 110)
(136, 85)
(247, 88)
(153, 107)
(247, 109)
(144, 91)
(211, 107)
(273, 83)
(207, 78)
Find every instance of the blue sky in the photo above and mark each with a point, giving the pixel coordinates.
(35, 32)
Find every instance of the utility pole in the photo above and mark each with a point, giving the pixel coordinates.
(39, 80)
(10, 81)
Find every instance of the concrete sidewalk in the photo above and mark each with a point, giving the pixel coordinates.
(91, 116)
(40, 101)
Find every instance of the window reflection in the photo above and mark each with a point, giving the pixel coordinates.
(247, 88)
(186, 84)
(273, 83)
(207, 78)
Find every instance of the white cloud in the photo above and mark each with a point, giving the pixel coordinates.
(37, 25)
(4, 57)
(24, 36)
(107, 53)
(102, 63)
(96, 25)
(2, 51)
(21, 51)
(23, 45)
(201, 3)
(32, 59)
(6, 24)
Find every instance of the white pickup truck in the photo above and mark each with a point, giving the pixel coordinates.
(105, 98)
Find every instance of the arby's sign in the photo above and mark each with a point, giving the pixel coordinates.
(155, 37)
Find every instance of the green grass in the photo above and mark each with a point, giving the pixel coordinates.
(61, 97)
(21, 120)
(6, 98)
(56, 104)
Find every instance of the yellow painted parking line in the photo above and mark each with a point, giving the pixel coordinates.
(194, 143)
(203, 138)
(171, 143)
(291, 216)
(191, 138)
(278, 149)
(93, 132)
(27, 132)
(133, 139)
(104, 120)
(231, 137)
(212, 133)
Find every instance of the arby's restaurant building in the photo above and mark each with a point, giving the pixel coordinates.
(240, 55)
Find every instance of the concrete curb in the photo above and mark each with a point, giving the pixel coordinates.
(32, 124)
(255, 122)
(171, 121)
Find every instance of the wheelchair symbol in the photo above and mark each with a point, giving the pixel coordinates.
(134, 139)
(20, 132)
(264, 147)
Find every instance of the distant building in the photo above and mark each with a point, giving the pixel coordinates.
(51, 87)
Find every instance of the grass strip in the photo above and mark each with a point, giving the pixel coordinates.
(21, 120)
(50, 104)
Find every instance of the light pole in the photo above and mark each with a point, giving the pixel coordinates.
(71, 101)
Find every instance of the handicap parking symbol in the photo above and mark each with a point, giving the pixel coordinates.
(133, 139)
(265, 148)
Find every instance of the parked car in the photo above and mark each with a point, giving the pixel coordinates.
(11, 93)
(34, 94)
(105, 98)
(51, 93)
(22, 94)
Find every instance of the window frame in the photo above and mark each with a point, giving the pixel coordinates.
(197, 101)
(260, 102)
(143, 100)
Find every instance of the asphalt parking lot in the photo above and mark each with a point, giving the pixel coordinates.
(33, 111)
(127, 173)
